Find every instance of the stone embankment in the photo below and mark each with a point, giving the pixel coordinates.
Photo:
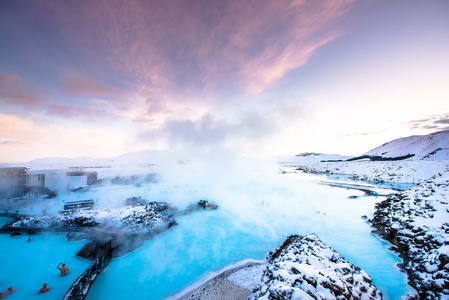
(416, 222)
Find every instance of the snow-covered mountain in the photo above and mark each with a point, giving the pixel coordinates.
(434, 146)
(390, 162)
(140, 158)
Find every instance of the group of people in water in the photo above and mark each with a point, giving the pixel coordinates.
(64, 271)
(5, 293)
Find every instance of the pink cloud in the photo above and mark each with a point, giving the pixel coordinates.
(61, 111)
(11, 142)
(92, 114)
(176, 55)
(267, 41)
(14, 91)
(78, 86)
(16, 129)
(18, 95)
(173, 46)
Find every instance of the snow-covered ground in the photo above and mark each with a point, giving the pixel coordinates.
(415, 221)
(403, 171)
(430, 156)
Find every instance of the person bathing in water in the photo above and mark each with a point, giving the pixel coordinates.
(5, 293)
(44, 289)
(64, 270)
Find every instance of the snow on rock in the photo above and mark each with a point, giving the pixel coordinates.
(304, 268)
(135, 219)
(416, 221)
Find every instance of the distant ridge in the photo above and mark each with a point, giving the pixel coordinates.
(434, 146)
(144, 157)
(308, 154)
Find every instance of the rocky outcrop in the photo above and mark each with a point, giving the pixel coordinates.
(381, 158)
(140, 219)
(305, 268)
(416, 222)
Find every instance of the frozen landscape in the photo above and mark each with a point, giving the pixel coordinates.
(415, 220)
(334, 210)
(224, 149)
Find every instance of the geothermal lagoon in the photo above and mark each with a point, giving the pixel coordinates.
(255, 215)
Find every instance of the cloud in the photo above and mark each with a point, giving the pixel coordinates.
(243, 49)
(14, 92)
(178, 72)
(17, 129)
(11, 142)
(155, 106)
(87, 113)
(214, 128)
(79, 86)
(190, 46)
(63, 139)
(362, 133)
(17, 136)
(443, 120)
(298, 32)
(18, 96)
(434, 122)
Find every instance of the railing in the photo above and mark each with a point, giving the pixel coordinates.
(80, 288)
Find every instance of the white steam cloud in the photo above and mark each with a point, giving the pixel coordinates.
(236, 125)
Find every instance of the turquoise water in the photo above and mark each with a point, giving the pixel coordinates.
(254, 220)
(28, 265)
(254, 217)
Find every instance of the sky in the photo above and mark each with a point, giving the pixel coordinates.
(107, 77)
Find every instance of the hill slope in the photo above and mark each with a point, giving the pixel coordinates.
(434, 146)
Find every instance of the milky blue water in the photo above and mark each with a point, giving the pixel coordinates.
(28, 265)
(254, 217)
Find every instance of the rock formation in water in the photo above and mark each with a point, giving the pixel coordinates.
(305, 268)
(140, 219)
(416, 221)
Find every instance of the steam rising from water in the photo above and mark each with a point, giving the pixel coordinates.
(258, 208)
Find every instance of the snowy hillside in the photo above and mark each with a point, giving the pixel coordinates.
(434, 146)
(431, 157)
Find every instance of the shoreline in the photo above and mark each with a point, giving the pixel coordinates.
(218, 286)
(412, 221)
